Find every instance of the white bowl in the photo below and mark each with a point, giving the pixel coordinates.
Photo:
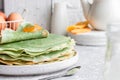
(38, 69)
(93, 38)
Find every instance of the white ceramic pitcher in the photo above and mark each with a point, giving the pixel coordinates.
(101, 12)
(59, 19)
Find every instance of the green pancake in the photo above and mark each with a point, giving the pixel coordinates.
(39, 58)
(37, 46)
(43, 61)
(9, 35)
(37, 50)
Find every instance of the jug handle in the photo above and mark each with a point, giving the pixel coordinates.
(86, 4)
(91, 2)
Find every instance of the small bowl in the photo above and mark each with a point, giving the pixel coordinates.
(93, 38)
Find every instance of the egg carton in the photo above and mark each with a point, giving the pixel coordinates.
(10, 24)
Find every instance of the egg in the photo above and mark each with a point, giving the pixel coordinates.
(14, 17)
(3, 15)
(3, 24)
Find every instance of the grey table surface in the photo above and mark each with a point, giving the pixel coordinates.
(91, 60)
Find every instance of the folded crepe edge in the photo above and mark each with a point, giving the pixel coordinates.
(21, 63)
(4, 39)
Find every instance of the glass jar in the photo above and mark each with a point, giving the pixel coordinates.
(112, 59)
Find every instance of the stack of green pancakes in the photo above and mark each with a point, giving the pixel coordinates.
(40, 50)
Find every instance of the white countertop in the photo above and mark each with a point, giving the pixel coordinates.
(91, 61)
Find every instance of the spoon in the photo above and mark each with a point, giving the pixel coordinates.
(67, 73)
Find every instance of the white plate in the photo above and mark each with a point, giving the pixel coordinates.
(38, 69)
(93, 38)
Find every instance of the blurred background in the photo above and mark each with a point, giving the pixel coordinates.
(40, 11)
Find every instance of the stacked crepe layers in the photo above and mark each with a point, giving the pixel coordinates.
(34, 48)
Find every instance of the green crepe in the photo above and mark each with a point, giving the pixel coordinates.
(39, 58)
(37, 49)
(37, 46)
(9, 35)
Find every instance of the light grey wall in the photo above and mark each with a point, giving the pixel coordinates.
(35, 11)
(43, 15)
(75, 12)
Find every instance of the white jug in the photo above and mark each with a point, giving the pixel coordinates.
(59, 19)
(101, 12)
